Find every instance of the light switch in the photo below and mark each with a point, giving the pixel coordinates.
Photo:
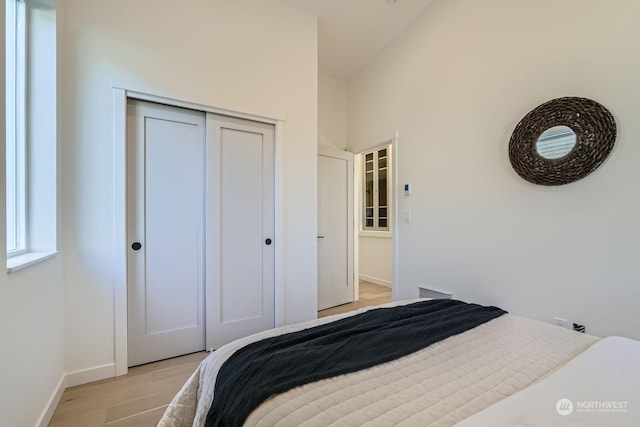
(406, 217)
(407, 189)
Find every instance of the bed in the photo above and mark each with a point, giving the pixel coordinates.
(507, 371)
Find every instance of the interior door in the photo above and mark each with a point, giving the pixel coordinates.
(166, 229)
(335, 228)
(240, 228)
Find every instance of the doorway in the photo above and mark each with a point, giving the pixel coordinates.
(375, 215)
(371, 228)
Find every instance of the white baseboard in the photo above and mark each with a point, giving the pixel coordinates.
(52, 404)
(71, 379)
(375, 280)
(89, 375)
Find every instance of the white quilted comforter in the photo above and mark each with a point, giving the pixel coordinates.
(438, 386)
(600, 387)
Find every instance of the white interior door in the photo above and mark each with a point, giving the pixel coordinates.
(240, 228)
(335, 228)
(166, 229)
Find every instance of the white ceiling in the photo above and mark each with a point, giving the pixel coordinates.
(352, 32)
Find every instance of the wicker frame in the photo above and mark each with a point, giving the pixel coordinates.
(595, 130)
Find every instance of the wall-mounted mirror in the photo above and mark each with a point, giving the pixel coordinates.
(562, 140)
(556, 142)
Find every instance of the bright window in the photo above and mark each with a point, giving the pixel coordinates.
(377, 189)
(31, 138)
(15, 126)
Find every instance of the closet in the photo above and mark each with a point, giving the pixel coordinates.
(200, 230)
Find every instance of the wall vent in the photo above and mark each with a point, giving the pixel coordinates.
(432, 293)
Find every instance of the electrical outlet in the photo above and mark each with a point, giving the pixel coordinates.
(579, 328)
(559, 321)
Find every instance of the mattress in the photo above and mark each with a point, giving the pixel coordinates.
(440, 385)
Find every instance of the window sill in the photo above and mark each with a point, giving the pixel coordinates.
(381, 234)
(20, 262)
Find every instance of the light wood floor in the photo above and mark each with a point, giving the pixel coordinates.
(139, 398)
(370, 294)
(136, 399)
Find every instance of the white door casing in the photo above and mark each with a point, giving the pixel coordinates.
(166, 170)
(121, 247)
(240, 247)
(335, 228)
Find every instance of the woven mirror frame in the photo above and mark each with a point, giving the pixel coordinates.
(595, 130)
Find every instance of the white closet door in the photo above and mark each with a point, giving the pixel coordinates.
(240, 228)
(166, 270)
(335, 228)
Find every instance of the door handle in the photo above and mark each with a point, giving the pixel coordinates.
(136, 246)
(320, 237)
(267, 242)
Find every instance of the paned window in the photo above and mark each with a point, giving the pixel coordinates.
(377, 189)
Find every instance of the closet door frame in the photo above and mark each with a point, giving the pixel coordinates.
(120, 97)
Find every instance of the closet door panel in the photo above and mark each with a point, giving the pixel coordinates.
(240, 228)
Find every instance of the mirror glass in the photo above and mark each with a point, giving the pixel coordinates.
(556, 142)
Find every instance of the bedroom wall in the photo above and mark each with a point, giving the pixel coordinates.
(250, 56)
(455, 84)
(332, 112)
(31, 320)
(32, 336)
(375, 258)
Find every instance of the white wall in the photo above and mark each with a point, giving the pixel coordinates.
(376, 256)
(249, 56)
(31, 320)
(32, 335)
(455, 84)
(332, 112)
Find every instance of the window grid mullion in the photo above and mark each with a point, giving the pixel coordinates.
(375, 190)
(364, 193)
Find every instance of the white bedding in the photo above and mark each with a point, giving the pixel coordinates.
(601, 385)
(440, 385)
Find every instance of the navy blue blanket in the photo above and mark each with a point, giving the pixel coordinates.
(275, 365)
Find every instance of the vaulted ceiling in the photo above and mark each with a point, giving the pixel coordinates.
(352, 32)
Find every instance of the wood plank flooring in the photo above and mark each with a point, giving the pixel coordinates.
(370, 294)
(136, 399)
(140, 397)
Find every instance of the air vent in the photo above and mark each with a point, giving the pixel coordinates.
(432, 293)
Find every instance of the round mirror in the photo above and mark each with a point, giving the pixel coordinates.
(589, 131)
(556, 142)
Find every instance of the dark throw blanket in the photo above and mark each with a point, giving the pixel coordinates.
(275, 365)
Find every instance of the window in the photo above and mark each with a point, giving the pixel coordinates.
(15, 126)
(31, 142)
(377, 189)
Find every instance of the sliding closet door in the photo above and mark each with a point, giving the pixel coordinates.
(240, 228)
(166, 231)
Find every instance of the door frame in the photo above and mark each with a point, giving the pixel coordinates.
(119, 249)
(357, 212)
